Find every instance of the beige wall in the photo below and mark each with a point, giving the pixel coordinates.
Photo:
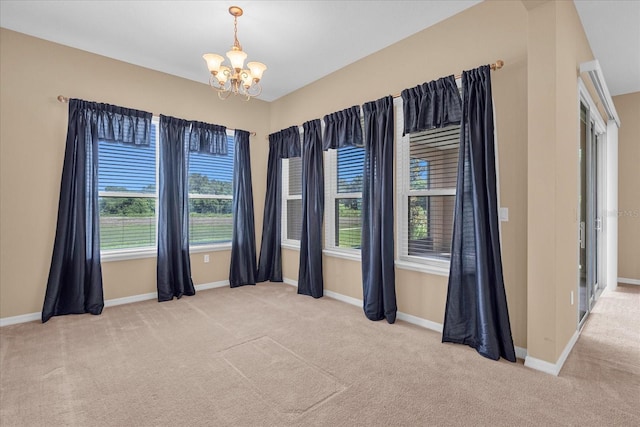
(535, 99)
(32, 137)
(628, 107)
(499, 32)
(557, 45)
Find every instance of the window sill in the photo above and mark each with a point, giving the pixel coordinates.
(337, 253)
(129, 254)
(423, 268)
(209, 248)
(124, 254)
(292, 246)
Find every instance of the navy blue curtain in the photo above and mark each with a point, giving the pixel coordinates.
(476, 312)
(434, 104)
(342, 129)
(74, 285)
(378, 274)
(243, 243)
(208, 138)
(174, 265)
(282, 145)
(310, 281)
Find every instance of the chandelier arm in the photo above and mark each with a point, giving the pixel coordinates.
(224, 95)
(215, 85)
(255, 89)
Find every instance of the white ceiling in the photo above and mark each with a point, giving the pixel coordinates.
(613, 31)
(300, 41)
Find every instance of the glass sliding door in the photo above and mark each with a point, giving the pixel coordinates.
(583, 297)
(589, 211)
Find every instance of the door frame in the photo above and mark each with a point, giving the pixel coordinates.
(599, 149)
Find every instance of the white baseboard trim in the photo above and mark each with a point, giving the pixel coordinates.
(344, 298)
(212, 285)
(627, 281)
(419, 321)
(24, 318)
(521, 353)
(290, 282)
(552, 368)
(129, 300)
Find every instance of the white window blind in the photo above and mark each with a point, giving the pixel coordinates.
(211, 197)
(127, 194)
(427, 165)
(291, 200)
(343, 198)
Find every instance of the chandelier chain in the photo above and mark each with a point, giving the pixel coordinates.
(236, 43)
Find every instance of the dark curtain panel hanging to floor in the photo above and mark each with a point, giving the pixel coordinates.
(243, 242)
(174, 265)
(310, 281)
(378, 274)
(476, 311)
(282, 145)
(74, 285)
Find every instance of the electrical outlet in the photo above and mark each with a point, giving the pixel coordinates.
(504, 214)
(206, 258)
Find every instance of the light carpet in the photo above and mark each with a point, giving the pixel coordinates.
(265, 356)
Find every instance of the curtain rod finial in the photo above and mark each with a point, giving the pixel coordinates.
(499, 64)
(63, 99)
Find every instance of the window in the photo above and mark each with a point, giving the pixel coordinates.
(291, 200)
(127, 183)
(211, 197)
(127, 194)
(427, 167)
(343, 206)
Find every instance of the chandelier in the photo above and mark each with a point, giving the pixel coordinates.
(234, 79)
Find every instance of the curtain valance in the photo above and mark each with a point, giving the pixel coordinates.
(119, 124)
(208, 138)
(287, 142)
(435, 104)
(342, 129)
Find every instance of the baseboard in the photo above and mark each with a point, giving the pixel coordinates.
(552, 368)
(24, 318)
(212, 285)
(419, 321)
(343, 298)
(627, 281)
(131, 299)
(521, 353)
(290, 282)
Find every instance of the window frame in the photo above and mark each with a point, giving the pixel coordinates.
(285, 242)
(403, 260)
(331, 195)
(107, 255)
(285, 196)
(212, 247)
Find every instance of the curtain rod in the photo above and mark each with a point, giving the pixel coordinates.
(65, 100)
(495, 66)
